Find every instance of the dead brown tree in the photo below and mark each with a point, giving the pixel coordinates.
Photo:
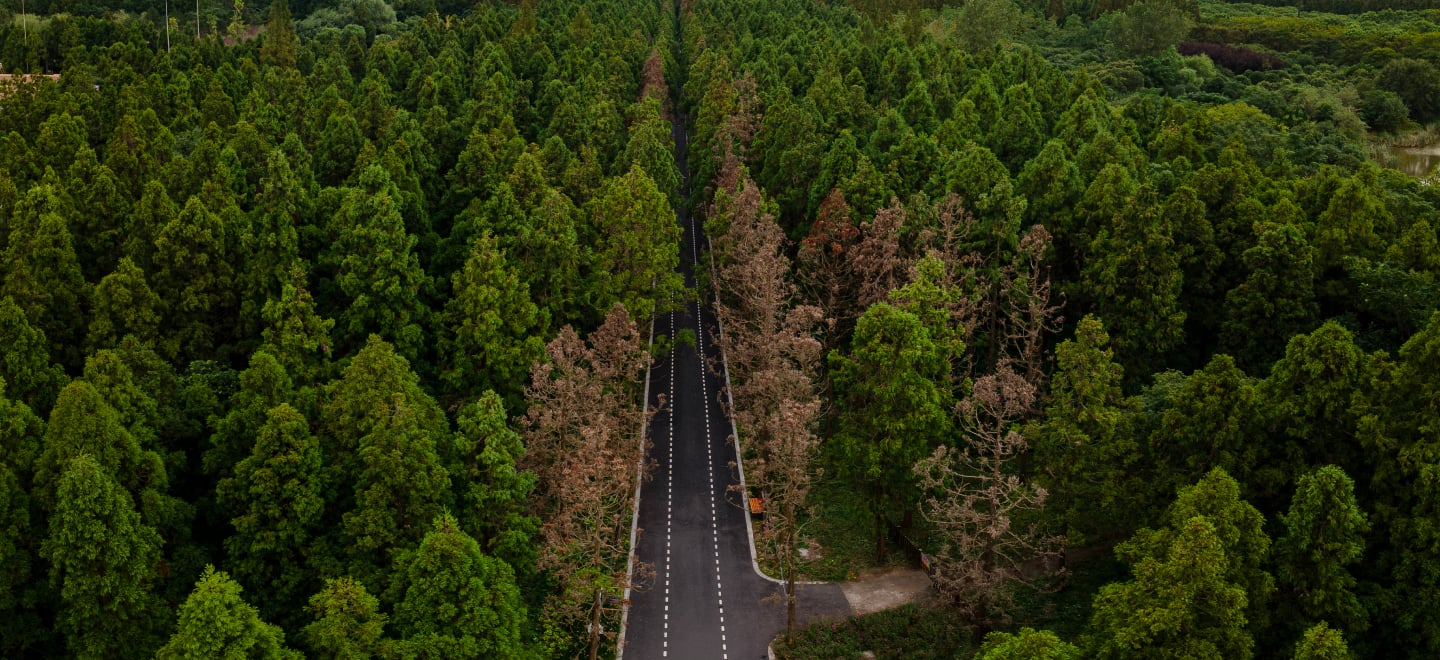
(773, 359)
(586, 440)
(984, 512)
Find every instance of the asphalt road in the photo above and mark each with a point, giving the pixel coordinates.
(707, 598)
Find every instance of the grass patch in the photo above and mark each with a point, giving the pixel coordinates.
(844, 529)
(1066, 612)
(909, 632)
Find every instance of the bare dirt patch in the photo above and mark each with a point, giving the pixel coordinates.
(887, 588)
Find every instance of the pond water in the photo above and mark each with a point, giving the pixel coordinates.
(1416, 161)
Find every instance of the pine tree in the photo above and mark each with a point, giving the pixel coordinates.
(281, 44)
(20, 626)
(348, 622)
(494, 496)
(1028, 644)
(1133, 279)
(1311, 393)
(1086, 444)
(295, 333)
(103, 562)
(42, 275)
(457, 602)
(271, 243)
(1322, 642)
(651, 149)
(375, 384)
(1237, 525)
(638, 247)
(82, 423)
(1277, 299)
(194, 275)
(277, 495)
(148, 216)
(215, 622)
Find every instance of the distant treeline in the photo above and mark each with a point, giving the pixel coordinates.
(255, 9)
(1351, 6)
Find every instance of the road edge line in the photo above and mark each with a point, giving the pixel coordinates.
(635, 509)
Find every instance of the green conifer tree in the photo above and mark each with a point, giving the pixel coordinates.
(638, 246)
(103, 563)
(489, 338)
(348, 622)
(1179, 604)
(124, 305)
(456, 602)
(277, 495)
(215, 622)
(1322, 642)
(893, 408)
(377, 269)
(495, 494)
(25, 359)
(263, 385)
(194, 277)
(1324, 532)
(295, 333)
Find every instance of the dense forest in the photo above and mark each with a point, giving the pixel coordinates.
(323, 324)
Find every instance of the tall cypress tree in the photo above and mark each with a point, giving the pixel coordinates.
(43, 276)
(263, 385)
(281, 44)
(103, 561)
(194, 275)
(295, 333)
(489, 339)
(124, 305)
(348, 622)
(215, 622)
(82, 423)
(277, 495)
(1324, 531)
(20, 625)
(494, 495)
(401, 484)
(25, 359)
(457, 602)
(377, 269)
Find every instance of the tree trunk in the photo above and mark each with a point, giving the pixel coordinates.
(595, 627)
(790, 607)
(790, 572)
(879, 536)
